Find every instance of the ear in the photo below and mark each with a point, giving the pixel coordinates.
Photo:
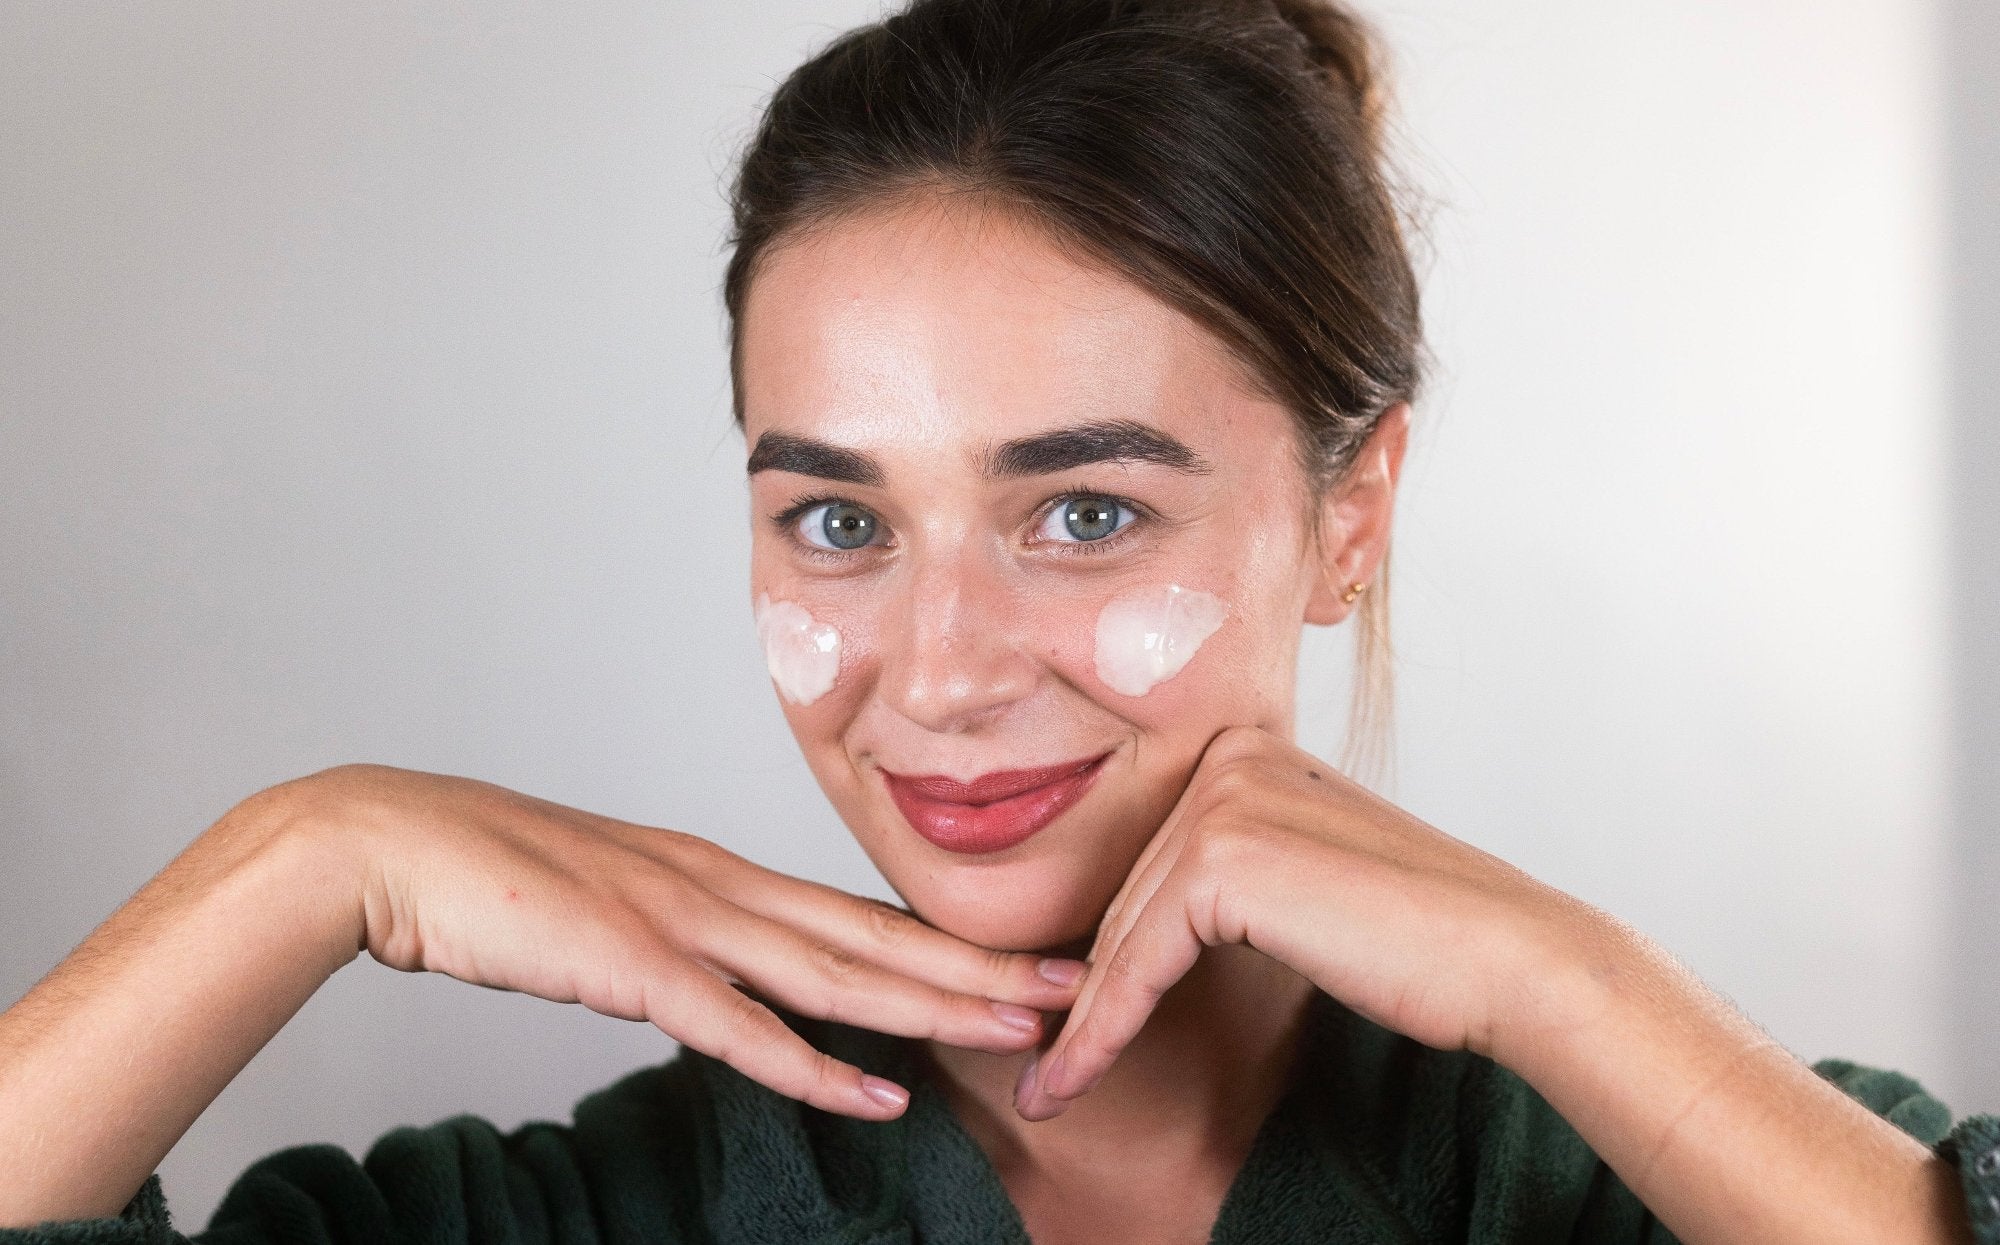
(1354, 518)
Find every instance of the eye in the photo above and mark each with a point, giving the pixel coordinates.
(1086, 517)
(837, 525)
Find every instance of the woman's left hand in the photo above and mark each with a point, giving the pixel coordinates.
(1719, 1130)
(1270, 846)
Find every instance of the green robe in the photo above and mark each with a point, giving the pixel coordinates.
(1377, 1138)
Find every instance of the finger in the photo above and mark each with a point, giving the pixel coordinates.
(1140, 886)
(1160, 855)
(896, 939)
(820, 978)
(1158, 951)
(1143, 876)
(1118, 913)
(698, 1009)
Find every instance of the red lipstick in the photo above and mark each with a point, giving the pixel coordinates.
(994, 811)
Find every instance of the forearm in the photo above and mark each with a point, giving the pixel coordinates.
(109, 1059)
(1718, 1129)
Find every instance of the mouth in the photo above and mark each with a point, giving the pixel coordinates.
(994, 811)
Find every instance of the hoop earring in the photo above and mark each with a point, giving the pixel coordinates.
(1353, 591)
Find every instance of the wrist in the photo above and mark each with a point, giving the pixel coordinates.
(1585, 983)
(290, 841)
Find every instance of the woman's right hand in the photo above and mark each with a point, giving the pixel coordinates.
(501, 889)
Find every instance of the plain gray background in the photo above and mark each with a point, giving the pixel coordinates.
(363, 397)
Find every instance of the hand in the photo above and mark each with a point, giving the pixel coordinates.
(1720, 1131)
(501, 889)
(1270, 846)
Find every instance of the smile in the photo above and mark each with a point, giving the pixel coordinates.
(994, 811)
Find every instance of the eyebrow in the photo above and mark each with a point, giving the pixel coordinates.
(1062, 449)
(781, 451)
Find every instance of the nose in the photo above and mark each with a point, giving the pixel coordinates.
(951, 656)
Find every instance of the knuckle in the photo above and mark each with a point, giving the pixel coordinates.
(1123, 966)
(829, 1076)
(830, 1009)
(693, 854)
(889, 925)
(663, 898)
(1243, 848)
(1237, 742)
(1125, 971)
(750, 1020)
(1229, 782)
(633, 926)
(836, 964)
(1116, 910)
(1000, 965)
(1218, 849)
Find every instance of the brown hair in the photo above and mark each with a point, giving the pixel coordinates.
(1227, 155)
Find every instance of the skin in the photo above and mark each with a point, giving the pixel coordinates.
(922, 339)
(1215, 874)
(967, 645)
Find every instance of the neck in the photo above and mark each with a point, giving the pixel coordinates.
(1191, 1090)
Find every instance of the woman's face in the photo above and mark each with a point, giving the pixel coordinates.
(1012, 513)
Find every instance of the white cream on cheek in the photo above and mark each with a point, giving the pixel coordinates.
(803, 654)
(1146, 636)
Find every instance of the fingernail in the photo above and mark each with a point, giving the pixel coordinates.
(1026, 1078)
(884, 1092)
(1016, 1016)
(1054, 1077)
(1062, 972)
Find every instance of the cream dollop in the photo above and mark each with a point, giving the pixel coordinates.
(802, 653)
(1146, 636)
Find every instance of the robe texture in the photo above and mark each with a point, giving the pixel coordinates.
(1377, 1138)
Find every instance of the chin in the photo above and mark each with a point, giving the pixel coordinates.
(1056, 923)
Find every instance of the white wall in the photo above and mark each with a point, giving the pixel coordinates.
(1973, 296)
(363, 396)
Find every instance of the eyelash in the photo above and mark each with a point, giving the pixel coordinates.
(786, 521)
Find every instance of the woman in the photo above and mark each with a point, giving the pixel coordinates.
(1074, 345)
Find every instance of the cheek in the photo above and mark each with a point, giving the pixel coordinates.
(1190, 655)
(802, 652)
(818, 647)
(1148, 635)
(1159, 648)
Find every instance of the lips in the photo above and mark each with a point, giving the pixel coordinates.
(994, 811)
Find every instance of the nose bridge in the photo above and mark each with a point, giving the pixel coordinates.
(953, 653)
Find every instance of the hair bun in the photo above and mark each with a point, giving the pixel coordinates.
(1348, 50)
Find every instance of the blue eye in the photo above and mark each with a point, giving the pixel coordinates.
(1086, 517)
(837, 525)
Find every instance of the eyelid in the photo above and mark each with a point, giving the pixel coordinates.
(787, 523)
(1140, 514)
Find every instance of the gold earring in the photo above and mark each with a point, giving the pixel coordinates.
(1353, 591)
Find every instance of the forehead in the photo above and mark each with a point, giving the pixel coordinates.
(946, 321)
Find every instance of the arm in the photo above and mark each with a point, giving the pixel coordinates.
(109, 1058)
(1717, 1128)
(106, 1062)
